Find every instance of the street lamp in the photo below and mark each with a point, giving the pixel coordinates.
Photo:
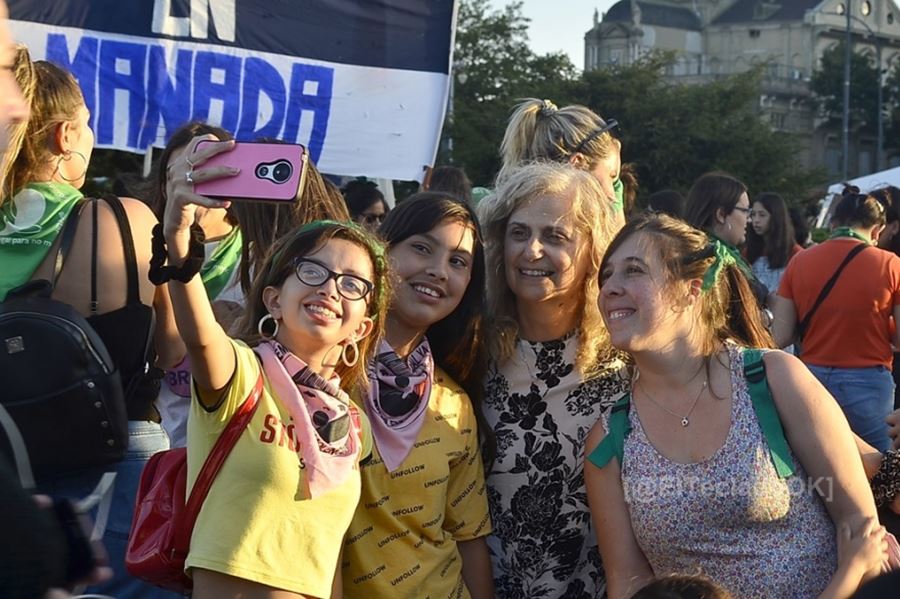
(846, 116)
(880, 117)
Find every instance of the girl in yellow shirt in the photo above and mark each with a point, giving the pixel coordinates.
(420, 527)
(274, 519)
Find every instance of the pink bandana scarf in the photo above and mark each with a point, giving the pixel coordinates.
(326, 425)
(398, 396)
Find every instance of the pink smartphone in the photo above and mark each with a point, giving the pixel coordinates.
(269, 172)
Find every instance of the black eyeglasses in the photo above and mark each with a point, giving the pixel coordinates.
(315, 274)
(742, 209)
(603, 128)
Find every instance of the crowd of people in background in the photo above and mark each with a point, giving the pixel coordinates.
(537, 389)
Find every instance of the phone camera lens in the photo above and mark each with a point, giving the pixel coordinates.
(282, 172)
(262, 171)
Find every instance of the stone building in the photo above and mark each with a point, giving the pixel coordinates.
(715, 38)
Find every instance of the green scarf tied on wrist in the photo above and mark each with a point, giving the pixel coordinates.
(30, 222)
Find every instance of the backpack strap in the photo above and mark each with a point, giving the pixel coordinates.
(133, 286)
(613, 444)
(131, 273)
(67, 238)
(766, 413)
(94, 236)
(131, 270)
(20, 451)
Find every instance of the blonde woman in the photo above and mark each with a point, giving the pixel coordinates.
(575, 135)
(552, 376)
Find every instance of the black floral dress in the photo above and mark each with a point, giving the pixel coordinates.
(543, 544)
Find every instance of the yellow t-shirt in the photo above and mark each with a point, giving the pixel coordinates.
(402, 541)
(253, 524)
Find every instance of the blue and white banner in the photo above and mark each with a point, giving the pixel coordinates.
(362, 83)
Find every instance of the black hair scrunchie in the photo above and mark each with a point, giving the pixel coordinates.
(160, 273)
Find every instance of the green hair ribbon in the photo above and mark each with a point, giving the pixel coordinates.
(725, 255)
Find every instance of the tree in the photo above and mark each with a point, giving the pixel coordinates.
(828, 85)
(675, 133)
(492, 51)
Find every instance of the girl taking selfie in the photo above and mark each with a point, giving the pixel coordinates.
(273, 522)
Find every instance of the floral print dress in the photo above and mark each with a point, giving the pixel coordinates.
(731, 517)
(541, 411)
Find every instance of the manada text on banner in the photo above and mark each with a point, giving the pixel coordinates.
(363, 84)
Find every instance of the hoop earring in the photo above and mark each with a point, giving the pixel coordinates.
(261, 325)
(67, 156)
(350, 363)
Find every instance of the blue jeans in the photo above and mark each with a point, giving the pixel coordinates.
(144, 439)
(866, 395)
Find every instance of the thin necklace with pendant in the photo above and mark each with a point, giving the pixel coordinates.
(686, 419)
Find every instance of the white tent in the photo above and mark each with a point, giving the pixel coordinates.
(865, 183)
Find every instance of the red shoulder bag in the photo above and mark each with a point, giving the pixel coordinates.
(163, 522)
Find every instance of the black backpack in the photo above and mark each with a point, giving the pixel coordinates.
(60, 385)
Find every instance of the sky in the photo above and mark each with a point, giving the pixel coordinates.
(560, 24)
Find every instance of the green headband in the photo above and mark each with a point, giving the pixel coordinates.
(372, 244)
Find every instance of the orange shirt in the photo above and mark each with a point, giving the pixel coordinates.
(852, 327)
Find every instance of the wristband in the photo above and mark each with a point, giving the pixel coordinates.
(160, 274)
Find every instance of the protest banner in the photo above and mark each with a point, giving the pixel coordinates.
(362, 84)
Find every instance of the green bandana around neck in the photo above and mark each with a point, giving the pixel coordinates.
(619, 190)
(848, 232)
(218, 269)
(30, 222)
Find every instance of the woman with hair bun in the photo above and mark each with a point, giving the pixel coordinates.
(576, 135)
(847, 336)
